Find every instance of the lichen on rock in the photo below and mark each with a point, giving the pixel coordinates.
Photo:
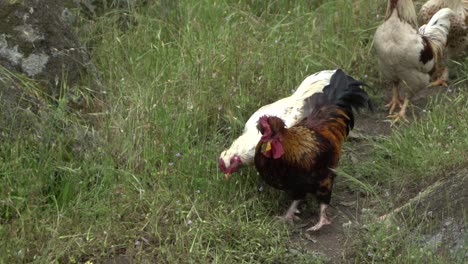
(11, 54)
(34, 64)
(27, 33)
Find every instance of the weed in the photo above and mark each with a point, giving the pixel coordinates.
(182, 77)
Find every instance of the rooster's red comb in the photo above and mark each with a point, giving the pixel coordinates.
(263, 121)
(264, 127)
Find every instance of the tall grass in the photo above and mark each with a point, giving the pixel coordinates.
(182, 77)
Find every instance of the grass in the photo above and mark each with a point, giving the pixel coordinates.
(182, 77)
(402, 165)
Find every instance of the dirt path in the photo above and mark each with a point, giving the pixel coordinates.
(330, 241)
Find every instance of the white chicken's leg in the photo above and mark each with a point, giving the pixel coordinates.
(290, 215)
(396, 99)
(442, 79)
(323, 219)
(401, 114)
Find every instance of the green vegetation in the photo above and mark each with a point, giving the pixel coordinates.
(182, 77)
(400, 166)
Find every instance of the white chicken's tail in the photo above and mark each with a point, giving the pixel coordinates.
(312, 84)
(436, 31)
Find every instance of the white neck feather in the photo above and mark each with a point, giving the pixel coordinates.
(405, 10)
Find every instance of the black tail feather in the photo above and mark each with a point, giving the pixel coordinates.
(342, 90)
(345, 92)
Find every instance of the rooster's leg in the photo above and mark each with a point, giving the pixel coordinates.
(401, 114)
(323, 218)
(290, 215)
(396, 99)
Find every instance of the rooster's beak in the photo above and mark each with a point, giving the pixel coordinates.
(227, 176)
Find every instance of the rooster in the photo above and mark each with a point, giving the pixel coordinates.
(291, 109)
(301, 159)
(407, 57)
(457, 41)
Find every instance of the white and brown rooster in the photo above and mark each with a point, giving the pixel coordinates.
(291, 109)
(457, 42)
(408, 58)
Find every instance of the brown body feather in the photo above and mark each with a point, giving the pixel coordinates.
(311, 149)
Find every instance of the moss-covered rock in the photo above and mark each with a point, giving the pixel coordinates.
(37, 44)
(36, 40)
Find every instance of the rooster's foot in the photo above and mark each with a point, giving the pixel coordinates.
(290, 215)
(323, 218)
(323, 221)
(288, 218)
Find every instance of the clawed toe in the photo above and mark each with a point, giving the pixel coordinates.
(323, 219)
(397, 117)
(288, 218)
(393, 105)
(400, 115)
(320, 224)
(437, 83)
(396, 100)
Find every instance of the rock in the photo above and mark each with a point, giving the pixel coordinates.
(448, 223)
(36, 42)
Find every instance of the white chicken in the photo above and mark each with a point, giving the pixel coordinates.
(457, 42)
(408, 58)
(291, 109)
